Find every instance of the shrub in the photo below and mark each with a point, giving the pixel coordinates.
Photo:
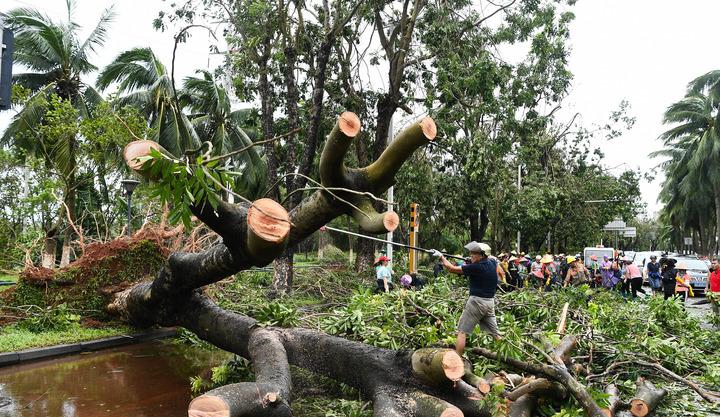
(49, 318)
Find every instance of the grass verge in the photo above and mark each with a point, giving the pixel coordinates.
(14, 338)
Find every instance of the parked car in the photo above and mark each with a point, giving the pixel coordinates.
(642, 258)
(698, 270)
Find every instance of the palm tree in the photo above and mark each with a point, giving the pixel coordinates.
(694, 148)
(215, 122)
(56, 60)
(148, 86)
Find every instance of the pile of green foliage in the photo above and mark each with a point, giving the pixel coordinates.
(610, 329)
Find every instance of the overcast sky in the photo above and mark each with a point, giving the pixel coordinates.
(643, 51)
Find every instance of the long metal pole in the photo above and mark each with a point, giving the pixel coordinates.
(391, 198)
(519, 187)
(402, 245)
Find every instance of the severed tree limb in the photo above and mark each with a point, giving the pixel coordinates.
(647, 397)
(541, 386)
(562, 323)
(555, 372)
(561, 353)
(613, 400)
(245, 399)
(523, 406)
(424, 405)
(268, 396)
(672, 375)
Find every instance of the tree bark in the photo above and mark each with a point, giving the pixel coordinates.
(421, 384)
(49, 249)
(267, 111)
(365, 255)
(647, 397)
(283, 273)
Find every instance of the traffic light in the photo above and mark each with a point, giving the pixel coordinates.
(6, 61)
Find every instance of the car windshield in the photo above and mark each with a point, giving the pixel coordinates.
(693, 264)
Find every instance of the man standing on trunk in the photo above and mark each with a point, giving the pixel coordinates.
(483, 280)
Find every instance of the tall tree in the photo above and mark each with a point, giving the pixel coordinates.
(144, 82)
(693, 170)
(56, 59)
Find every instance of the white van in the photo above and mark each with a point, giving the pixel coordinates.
(599, 252)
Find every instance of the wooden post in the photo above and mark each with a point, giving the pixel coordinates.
(414, 229)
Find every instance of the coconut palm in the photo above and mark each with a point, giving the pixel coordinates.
(693, 144)
(144, 82)
(215, 122)
(56, 59)
(201, 112)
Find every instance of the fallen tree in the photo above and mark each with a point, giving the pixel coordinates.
(425, 382)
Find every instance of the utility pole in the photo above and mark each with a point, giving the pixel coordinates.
(6, 62)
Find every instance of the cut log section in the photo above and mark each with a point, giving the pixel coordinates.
(482, 384)
(208, 406)
(647, 397)
(370, 221)
(438, 367)
(245, 399)
(138, 149)
(268, 229)
(381, 173)
(613, 400)
(424, 405)
(332, 169)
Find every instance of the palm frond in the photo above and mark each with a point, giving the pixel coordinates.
(33, 81)
(134, 69)
(98, 36)
(23, 124)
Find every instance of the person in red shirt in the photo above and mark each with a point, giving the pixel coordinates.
(713, 284)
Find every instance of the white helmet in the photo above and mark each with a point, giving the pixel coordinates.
(478, 247)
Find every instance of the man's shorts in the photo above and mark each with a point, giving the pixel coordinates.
(479, 312)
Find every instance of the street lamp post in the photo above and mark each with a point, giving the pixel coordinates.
(129, 186)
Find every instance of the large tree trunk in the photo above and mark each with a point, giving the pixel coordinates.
(69, 212)
(49, 254)
(424, 383)
(365, 255)
(283, 273)
(49, 249)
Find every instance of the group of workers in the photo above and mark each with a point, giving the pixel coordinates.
(619, 273)
(486, 273)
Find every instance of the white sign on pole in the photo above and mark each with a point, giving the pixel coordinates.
(688, 240)
(615, 225)
(629, 232)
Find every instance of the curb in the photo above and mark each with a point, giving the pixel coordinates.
(12, 358)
